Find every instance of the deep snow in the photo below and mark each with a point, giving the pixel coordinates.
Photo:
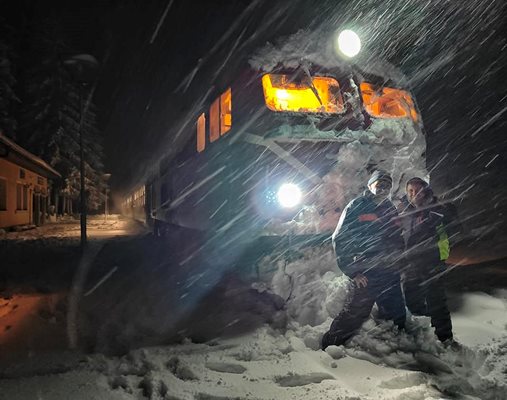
(283, 360)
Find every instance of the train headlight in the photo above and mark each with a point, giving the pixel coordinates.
(289, 195)
(349, 43)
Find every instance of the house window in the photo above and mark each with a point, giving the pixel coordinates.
(21, 174)
(3, 194)
(40, 180)
(201, 133)
(21, 197)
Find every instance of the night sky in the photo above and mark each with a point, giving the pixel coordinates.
(455, 55)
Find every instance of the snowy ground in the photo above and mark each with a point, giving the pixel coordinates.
(277, 356)
(268, 364)
(98, 226)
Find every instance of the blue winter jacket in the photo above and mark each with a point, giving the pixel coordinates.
(366, 229)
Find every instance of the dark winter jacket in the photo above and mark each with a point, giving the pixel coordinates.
(366, 229)
(429, 231)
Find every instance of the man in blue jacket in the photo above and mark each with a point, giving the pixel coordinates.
(368, 245)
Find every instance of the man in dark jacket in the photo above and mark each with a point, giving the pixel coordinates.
(368, 245)
(427, 227)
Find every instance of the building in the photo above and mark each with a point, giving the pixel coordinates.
(24, 187)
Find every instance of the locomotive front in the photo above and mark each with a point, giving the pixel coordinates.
(326, 124)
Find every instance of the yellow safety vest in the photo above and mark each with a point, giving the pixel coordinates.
(443, 242)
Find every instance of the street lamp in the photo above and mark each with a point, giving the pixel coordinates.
(83, 68)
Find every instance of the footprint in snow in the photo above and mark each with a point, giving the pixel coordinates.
(225, 367)
(205, 396)
(404, 381)
(293, 380)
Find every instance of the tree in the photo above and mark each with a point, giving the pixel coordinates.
(8, 97)
(52, 112)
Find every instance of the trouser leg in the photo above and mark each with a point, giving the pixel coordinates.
(355, 312)
(437, 307)
(414, 290)
(390, 301)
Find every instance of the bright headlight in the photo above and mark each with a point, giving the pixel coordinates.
(289, 195)
(349, 43)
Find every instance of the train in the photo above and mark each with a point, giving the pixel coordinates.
(279, 150)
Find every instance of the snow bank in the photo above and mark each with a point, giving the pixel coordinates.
(283, 361)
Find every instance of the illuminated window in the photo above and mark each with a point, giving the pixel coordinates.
(201, 133)
(385, 102)
(220, 115)
(225, 111)
(321, 95)
(214, 121)
(3, 194)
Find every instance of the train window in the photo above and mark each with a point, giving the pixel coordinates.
(225, 111)
(139, 197)
(385, 102)
(321, 95)
(201, 132)
(214, 121)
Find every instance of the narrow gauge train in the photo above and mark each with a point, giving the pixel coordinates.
(262, 151)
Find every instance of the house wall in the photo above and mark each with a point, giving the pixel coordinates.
(36, 188)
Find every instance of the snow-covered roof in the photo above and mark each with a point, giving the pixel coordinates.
(37, 161)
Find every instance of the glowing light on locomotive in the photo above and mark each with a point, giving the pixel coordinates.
(320, 95)
(349, 43)
(289, 195)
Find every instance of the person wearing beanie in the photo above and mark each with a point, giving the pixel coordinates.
(427, 227)
(368, 245)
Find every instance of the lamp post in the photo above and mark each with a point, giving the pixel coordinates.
(83, 68)
(106, 178)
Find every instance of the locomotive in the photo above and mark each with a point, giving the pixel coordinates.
(278, 152)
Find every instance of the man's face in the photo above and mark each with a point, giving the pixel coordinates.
(381, 188)
(415, 194)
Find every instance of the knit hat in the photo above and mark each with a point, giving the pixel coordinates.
(417, 181)
(377, 175)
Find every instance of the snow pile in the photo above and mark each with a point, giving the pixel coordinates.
(312, 287)
(395, 145)
(273, 357)
(378, 363)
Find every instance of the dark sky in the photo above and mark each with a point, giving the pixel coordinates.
(455, 54)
